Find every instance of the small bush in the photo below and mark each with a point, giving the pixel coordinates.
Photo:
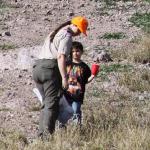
(147, 1)
(2, 5)
(118, 35)
(7, 46)
(35, 108)
(115, 68)
(6, 6)
(106, 69)
(141, 20)
(5, 109)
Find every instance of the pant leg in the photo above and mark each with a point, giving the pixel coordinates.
(49, 109)
(51, 106)
(41, 90)
(77, 112)
(49, 77)
(76, 107)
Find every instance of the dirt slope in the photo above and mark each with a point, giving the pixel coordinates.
(28, 22)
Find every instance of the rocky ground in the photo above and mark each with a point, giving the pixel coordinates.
(24, 25)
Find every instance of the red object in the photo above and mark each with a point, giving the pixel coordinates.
(95, 69)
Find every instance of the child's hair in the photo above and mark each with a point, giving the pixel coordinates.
(77, 45)
(57, 29)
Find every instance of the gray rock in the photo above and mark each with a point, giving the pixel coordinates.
(7, 33)
(141, 97)
(71, 14)
(103, 56)
(49, 12)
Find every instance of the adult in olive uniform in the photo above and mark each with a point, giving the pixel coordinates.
(49, 71)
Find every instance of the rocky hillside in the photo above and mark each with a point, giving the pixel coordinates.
(25, 23)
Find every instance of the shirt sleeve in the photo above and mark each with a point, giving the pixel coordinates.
(65, 45)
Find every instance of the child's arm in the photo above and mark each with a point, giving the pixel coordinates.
(90, 78)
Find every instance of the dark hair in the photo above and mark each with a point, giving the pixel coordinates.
(77, 45)
(57, 29)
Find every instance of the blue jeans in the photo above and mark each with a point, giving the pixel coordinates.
(76, 106)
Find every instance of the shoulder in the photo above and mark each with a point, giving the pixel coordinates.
(63, 33)
(84, 65)
(87, 69)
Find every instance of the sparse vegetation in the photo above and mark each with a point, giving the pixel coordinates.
(35, 108)
(110, 2)
(139, 53)
(6, 6)
(106, 69)
(147, 1)
(107, 2)
(7, 46)
(3, 7)
(2, 4)
(5, 109)
(105, 126)
(136, 40)
(115, 68)
(12, 140)
(118, 35)
(119, 54)
(142, 21)
(136, 80)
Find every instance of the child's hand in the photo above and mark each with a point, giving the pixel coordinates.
(91, 78)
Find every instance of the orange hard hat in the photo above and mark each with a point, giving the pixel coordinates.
(81, 23)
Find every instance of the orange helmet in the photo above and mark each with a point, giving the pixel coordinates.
(81, 23)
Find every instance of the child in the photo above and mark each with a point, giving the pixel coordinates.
(78, 74)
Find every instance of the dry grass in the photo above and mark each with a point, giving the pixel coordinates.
(136, 80)
(110, 122)
(11, 140)
(141, 53)
(138, 53)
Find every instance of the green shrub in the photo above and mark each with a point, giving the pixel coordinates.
(5, 6)
(5, 109)
(7, 46)
(141, 20)
(106, 69)
(1, 4)
(147, 1)
(118, 35)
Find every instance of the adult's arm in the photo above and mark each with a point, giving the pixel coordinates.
(62, 68)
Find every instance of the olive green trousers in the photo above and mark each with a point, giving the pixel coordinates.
(48, 81)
